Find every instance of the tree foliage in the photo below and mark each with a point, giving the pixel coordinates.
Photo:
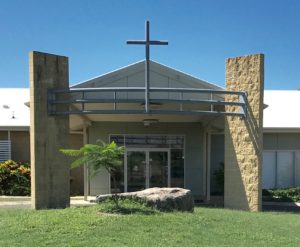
(97, 156)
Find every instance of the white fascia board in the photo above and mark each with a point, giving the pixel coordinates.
(281, 130)
(14, 128)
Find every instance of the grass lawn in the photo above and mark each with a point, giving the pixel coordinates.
(89, 226)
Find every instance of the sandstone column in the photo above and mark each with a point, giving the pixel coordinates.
(50, 179)
(243, 137)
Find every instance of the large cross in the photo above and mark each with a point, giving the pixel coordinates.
(147, 42)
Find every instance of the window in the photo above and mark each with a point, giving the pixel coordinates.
(5, 150)
(281, 169)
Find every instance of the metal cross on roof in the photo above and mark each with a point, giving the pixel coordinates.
(147, 42)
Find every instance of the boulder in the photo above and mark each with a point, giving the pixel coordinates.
(163, 199)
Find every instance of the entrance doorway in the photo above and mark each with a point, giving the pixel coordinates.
(146, 168)
(149, 161)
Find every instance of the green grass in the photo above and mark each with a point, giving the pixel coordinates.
(90, 226)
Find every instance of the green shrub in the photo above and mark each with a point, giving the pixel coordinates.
(14, 178)
(283, 195)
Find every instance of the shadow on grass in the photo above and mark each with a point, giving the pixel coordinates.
(128, 210)
(126, 207)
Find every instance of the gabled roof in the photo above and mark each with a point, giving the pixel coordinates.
(156, 70)
(283, 112)
(14, 114)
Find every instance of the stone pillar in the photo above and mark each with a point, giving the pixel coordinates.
(243, 137)
(50, 171)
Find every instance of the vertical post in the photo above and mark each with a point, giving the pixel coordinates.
(208, 166)
(181, 98)
(115, 99)
(169, 168)
(83, 98)
(125, 170)
(148, 169)
(85, 167)
(50, 172)
(9, 145)
(211, 105)
(294, 169)
(276, 169)
(243, 137)
(147, 69)
(204, 160)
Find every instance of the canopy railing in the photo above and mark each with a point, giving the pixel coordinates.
(80, 99)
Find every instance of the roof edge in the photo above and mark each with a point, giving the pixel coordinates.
(281, 129)
(209, 84)
(14, 128)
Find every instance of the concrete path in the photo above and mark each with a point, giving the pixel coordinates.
(78, 201)
(24, 202)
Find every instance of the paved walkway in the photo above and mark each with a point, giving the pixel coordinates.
(24, 202)
(78, 201)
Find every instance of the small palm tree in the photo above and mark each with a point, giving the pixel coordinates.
(97, 156)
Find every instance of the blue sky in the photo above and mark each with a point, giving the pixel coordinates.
(201, 35)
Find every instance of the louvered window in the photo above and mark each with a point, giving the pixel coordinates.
(5, 150)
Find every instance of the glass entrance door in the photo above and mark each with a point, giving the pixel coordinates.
(136, 170)
(145, 168)
(158, 169)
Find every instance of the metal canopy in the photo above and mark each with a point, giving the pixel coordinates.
(144, 100)
(114, 100)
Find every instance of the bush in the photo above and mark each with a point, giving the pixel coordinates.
(14, 178)
(283, 195)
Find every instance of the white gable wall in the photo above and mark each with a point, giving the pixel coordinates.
(160, 76)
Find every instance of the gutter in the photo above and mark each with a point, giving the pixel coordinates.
(14, 128)
(281, 130)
